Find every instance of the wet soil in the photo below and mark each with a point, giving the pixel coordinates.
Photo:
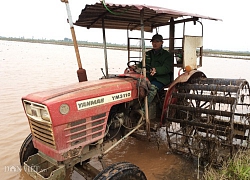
(154, 159)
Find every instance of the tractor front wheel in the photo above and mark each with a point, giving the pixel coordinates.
(27, 149)
(121, 171)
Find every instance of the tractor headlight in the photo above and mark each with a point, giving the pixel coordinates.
(36, 111)
(28, 109)
(45, 115)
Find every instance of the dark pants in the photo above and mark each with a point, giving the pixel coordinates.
(158, 84)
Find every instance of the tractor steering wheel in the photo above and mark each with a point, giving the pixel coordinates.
(134, 67)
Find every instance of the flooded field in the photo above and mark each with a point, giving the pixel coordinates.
(30, 67)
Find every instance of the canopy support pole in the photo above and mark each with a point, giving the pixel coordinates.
(171, 42)
(144, 72)
(105, 48)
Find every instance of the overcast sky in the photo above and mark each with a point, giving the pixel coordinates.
(47, 19)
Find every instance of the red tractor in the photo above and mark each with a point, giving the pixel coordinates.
(203, 117)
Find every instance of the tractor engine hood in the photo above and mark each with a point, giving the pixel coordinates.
(81, 100)
(83, 90)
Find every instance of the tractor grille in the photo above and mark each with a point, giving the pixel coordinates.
(42, 131)
(86, 129)
(78, 132)
(98, 125)
(40, 122)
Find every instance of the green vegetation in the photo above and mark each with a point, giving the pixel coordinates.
(68, 42)
(237, 168)
(230, 53)
(227, 54)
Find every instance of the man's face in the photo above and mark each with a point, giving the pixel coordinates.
(157, 44)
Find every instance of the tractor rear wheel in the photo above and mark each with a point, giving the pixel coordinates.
(27, 149)
(121, 171)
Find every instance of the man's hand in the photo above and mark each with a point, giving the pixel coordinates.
(152, 71)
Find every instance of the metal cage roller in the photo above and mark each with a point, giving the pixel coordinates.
(209, 118)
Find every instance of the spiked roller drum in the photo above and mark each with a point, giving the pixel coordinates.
(209, 118)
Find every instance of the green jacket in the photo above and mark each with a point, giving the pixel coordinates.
(162, 62)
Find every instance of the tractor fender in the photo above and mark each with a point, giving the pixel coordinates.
(180, 79)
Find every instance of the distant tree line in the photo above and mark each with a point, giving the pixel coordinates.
(68, 41)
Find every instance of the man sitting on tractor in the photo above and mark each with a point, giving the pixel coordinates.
(160, 61)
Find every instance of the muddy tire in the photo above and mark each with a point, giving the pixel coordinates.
(121, 171)
(27, 149)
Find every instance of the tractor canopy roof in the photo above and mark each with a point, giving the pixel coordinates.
(128, 16)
